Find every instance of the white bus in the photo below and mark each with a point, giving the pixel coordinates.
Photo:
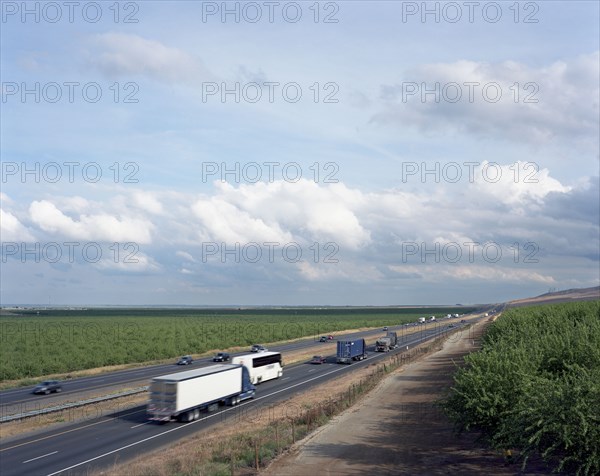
(262, 366)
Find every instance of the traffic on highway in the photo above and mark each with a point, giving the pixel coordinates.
(94, 444)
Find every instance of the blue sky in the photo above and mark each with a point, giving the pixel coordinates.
(381, 157)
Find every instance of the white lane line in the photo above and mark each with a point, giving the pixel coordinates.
(141, 424)
(193, 423)
(202, 419)
(285, 378)
(39, 457)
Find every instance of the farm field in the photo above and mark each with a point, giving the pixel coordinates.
(534, 388)
(61, 341)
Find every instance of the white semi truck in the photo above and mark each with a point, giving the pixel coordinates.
(183, 395)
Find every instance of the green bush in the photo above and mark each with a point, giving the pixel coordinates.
(535, 386)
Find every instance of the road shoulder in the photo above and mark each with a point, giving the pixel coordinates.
(398, 429)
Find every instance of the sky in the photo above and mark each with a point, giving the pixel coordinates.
(298, 153)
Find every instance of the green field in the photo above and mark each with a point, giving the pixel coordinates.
(60, 341)
(535, 386)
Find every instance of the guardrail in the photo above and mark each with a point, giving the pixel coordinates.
(65, 406)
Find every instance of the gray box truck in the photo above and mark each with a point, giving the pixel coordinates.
(183, 395)
(349, 350)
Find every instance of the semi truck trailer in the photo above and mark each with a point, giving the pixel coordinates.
(383, 344)
(393, 336)
(183, 395)
(387, 343)
(350, 350)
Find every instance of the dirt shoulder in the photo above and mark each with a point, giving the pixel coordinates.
(398, 429)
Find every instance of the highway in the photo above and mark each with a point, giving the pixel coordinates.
(127, 378)
(99, 443)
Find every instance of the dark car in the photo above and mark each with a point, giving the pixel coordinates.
(185, 360)
(385, 328)
(323, 339)
(462, 321)
(221, 357)
(48, 386)
(318, 359)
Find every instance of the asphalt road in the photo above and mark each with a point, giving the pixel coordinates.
(99, 443)
(22, 399)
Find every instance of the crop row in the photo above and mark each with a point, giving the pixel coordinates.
(64, 341)
(535, 386)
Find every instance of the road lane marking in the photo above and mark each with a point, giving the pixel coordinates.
(69, 431)
(141, 424)
(417, 341)
(39, 457)
(192, 423)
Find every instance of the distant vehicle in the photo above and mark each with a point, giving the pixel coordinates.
(221, 357)
(451, 325)
(185, 360)
(265, 366)
(258, 348)
(47, 387)
(385, 328)
(421, 320)
(350, 350)
(432, 318)
(183, 395)
(329, 337)
(463, 321)
(323, 339)
(318, 359)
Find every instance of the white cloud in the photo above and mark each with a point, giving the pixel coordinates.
(100, 226)
(134, 263)
(11, 229)
(515, 183)
(536, 104)
(148, 202)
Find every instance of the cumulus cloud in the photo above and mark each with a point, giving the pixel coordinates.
(507, 99)
(302, 208)
(11, 229)
(101, 226)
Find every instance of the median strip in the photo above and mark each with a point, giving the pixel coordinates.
(65, 406)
